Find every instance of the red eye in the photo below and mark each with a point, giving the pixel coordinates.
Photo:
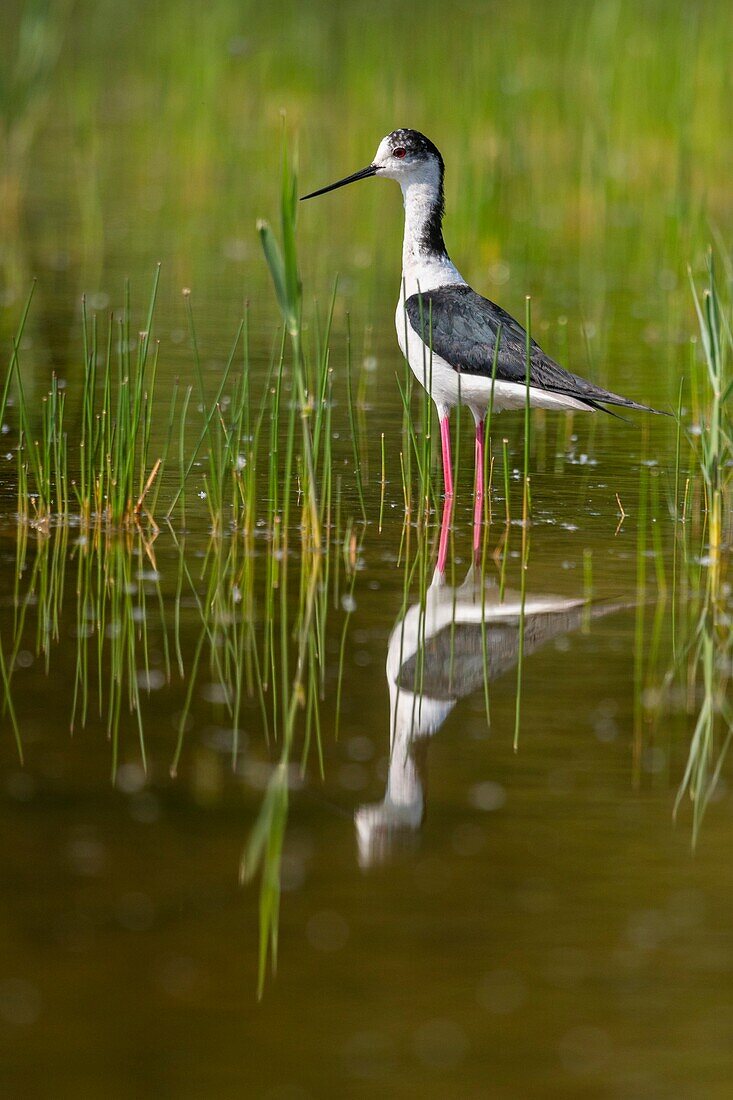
(399, 153)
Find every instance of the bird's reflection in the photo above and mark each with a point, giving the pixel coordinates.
(443, 648)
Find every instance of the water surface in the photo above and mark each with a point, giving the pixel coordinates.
(529, 921)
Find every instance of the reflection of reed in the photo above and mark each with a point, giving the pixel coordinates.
(120, 603)
(702, 638)
(693, 679)
(112, 617)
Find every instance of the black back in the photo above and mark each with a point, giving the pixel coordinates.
(462, 328)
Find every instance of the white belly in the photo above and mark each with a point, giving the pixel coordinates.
(448, 388)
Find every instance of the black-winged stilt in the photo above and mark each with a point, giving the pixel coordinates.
(446, 330)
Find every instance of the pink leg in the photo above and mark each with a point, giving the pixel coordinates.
(478, 505)
(444, 533)
(447, 466)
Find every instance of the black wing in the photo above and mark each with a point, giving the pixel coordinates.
(462, 327)
(451, 663)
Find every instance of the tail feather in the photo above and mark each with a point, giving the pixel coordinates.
(597, 398)
(626, 403)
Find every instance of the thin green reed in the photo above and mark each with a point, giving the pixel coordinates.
(382, 482)
(16, 343)
(459, 408)
(337, 542)
(111, 452)
(488, 425)
(656, 535)
(484, 634)
(273, 527)
(312, 712)
(525, 518)
(285, 528)
(250, 479)
(487, 520)
(9, 706)
(22, 472)
(182, 471)
(223, 444)
(264, 848)
(641, 586)
(702, 647)
(361, 417)
(412, 448)
(352, 421)
(408, 435)
(324, 385)
(505, 460)
(88, 389)
(106, 427)
(245, 427)
(41, 487)
(715, 440)
(425, 462)
(407, 573)
(225, 458)
(676, 515)
(213, 610)
(142, 399)
(326, 520)
(350, 561)
(283, 267)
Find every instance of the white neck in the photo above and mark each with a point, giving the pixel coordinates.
(412, 717)
(423, 267)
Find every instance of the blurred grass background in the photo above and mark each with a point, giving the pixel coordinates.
(588, 150)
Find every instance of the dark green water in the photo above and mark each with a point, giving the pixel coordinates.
(547, 929)
(538, 924)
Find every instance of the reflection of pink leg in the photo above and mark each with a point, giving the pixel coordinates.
(479, 500)
(444, 532)
(447, 466)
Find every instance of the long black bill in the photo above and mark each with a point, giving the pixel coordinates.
(362, 175)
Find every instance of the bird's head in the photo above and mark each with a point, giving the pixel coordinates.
(404, 155)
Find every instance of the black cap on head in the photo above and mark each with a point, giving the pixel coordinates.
(415, 144)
